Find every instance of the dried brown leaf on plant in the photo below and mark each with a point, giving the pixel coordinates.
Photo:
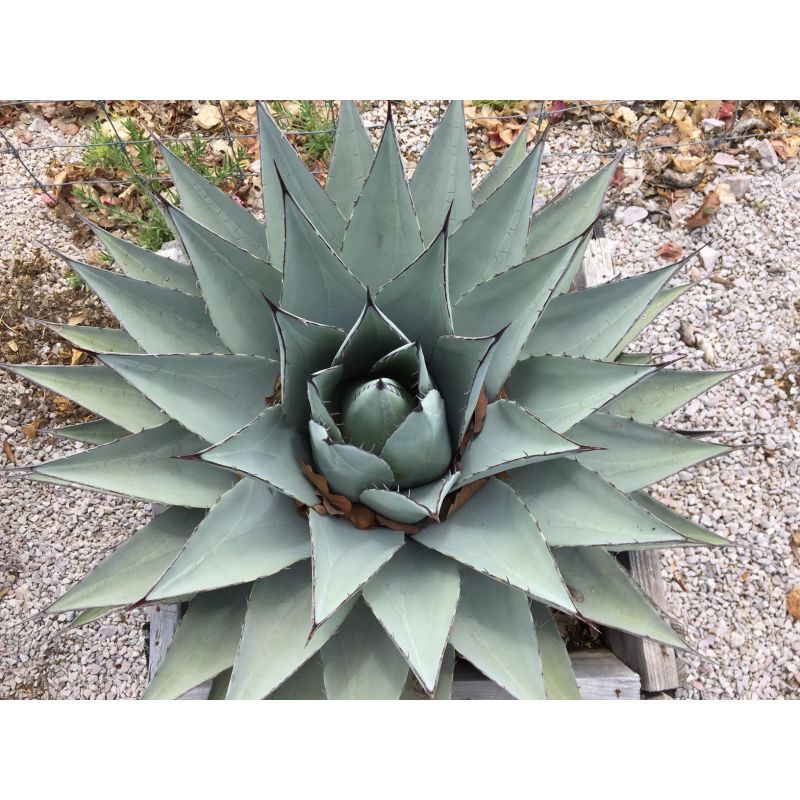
(463, 495)
(706, 212)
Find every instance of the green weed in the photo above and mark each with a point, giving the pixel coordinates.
(138, 160)
(312, 117)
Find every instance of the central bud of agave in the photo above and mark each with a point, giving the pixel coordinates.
(372, 410)
(378, 426)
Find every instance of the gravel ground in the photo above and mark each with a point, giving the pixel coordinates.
(730, 603)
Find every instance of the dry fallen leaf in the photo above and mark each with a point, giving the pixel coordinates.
(30, 429)
(686, 163)
(670, 251)
(8, 450)
(78, 357)
(208, 116)
(706, 212)
(706, 109)
(793, 602)
(63, 405)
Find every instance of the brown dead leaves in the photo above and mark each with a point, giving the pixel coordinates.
(208, 116)
(9, 452)
(338, 505)
(706, 212)
(500, 126)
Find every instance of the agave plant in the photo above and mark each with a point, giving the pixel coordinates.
(389, 431)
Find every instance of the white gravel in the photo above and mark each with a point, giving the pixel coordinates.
(730, 603)
(50, 537)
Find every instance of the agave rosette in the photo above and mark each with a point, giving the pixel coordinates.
(387, 429)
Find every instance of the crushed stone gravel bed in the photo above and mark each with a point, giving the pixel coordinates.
(730, 603)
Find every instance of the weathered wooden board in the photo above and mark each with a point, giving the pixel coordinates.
(599, 673)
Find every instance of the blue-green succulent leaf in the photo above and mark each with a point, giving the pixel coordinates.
(656, 306)
(394, 505)
(308, 683)
(160, 320)
(563, 390)
(591, 322)
(90, 615)
(407, 365)
(502, 169)
(460, 364)
(576, 507)
(250, 533)
(511, 437)
(512, 302)
(413, 505)
(269, 449)
(372, 336)
(344, 558)
(219, 685)
(349, 469)
(136, 262)
(351, 159)
(100, 390)
(444, 689)
(604, 593)
(559, 679)
(305, 347)
(99, 431)
(147, 465)
(278, 156)
(494, 630)
(276, 638)
(95, 340)
(566, 217)
(691, 531)
(657, 395)
(316, 284)
(361, 663)
(638, 359)
(637, 455)
(493, 238)
(383, 236)
(372, 410)
(213, 396)
(213, 209)
(204, 645)
(126, 576)
(494, 533)
(414, 597)
(234, 285)
(420, 449)
(417, 300)
(441, 182)
(321, 414)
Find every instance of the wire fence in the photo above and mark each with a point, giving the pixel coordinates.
(646, 145)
